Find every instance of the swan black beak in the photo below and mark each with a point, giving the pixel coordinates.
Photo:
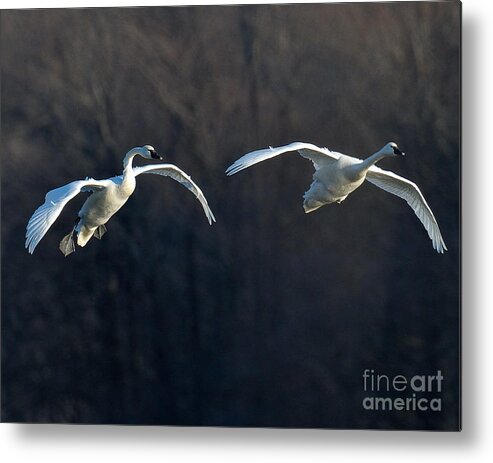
(154, 155)
(399, 152)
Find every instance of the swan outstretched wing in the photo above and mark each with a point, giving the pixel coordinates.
(409, 191)
(46, 214)
(319, 156)
(170, 170)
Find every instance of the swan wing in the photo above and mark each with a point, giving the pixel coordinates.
(170, 170)
(319, 156)
(410, 192)
(46, 214)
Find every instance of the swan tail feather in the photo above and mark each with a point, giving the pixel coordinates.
(310, 205)
(84, 235)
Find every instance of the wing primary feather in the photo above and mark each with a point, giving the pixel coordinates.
(409, 191)
(170, 170)
(55, 200)
(317, 155)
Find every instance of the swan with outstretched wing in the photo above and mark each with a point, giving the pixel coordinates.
(107, 197)
(337, 175)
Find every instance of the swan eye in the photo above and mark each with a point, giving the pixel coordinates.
(153, 153)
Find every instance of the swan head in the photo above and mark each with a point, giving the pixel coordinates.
(391, 149)
(148, 152)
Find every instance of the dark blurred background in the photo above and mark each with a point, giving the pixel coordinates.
(269, 317)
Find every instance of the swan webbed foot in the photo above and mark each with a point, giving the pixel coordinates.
(67, 245)
(100, 231)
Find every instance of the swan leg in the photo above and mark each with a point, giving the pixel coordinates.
(67, 245)
(100, 231)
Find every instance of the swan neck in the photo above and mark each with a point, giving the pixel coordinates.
(127, 162)
(374, 158)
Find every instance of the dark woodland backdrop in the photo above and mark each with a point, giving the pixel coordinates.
(270, 316)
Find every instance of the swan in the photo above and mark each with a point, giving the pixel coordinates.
(337, 175)
(107, 197)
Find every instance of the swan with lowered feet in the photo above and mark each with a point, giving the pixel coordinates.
(107, 197)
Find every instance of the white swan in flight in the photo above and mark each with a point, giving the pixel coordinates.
(107, 197)
(337, 175)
